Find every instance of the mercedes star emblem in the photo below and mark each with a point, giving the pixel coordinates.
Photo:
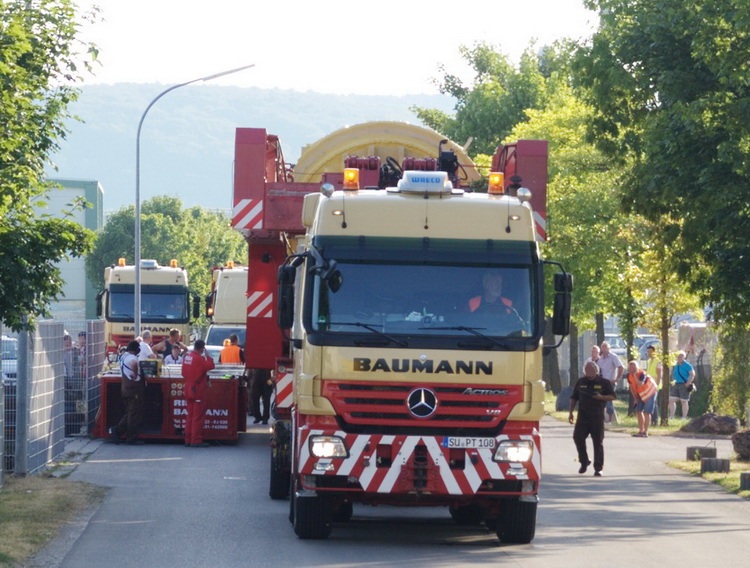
(422, 403)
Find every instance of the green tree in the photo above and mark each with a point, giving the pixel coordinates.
(198, 239)
(669, 81)
(731, 389)
(41, 63)
(584, 226)
(583, 217)
(487, 109)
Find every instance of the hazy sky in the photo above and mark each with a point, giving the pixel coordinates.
(386, 47)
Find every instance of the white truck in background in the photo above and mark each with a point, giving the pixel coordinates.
(166, 301)
(226, 307)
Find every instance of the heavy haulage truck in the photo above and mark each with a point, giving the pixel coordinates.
(408, 375)
(226, 307)
(165, 301)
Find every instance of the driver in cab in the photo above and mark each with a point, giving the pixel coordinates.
(491, 300)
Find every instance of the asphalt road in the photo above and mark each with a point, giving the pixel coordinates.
(192, 507)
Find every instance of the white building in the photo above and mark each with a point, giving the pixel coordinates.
(78, 301)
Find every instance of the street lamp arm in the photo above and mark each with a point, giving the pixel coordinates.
(173, 87)
(217, 75)
(137, 291)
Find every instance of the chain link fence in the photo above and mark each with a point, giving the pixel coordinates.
(58, 393)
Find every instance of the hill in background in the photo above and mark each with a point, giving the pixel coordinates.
(187, 138)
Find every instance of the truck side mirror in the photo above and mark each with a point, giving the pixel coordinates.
(99, 309)
(196, 306)
(285, 279)
(561, 310)
(563, 282)
(210, 299)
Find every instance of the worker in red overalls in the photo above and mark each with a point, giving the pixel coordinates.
(195, 367)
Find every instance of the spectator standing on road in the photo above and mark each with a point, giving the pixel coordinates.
(643, 389)
(591, 392)
(82, 350)
(594, 358)
(261, 388)
(70, 358)
(145, 343)
(133, 391)
(611, 369)
(683, 376)
(653, 370)
(232, 354)
(164, 348)
(195, 367)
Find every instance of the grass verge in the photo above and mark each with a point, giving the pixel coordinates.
(34, 509)
(729, 481)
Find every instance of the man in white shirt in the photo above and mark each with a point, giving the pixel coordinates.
(593, 359)
(133, 391)
(145, 343)
(611, 369)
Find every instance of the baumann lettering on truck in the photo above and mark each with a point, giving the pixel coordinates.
(426, 366)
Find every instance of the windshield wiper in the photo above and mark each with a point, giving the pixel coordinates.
(373, 329)
(473, 331)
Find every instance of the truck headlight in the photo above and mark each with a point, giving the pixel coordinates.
(514, 451)
(328, 447)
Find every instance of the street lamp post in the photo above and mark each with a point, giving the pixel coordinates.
(137, 294)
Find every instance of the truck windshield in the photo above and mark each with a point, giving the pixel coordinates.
(428, 289)
(159, 304)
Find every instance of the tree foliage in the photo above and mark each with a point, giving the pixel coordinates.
(583, 219)
(41, 64)
(731, 388)
(198, 239)
(487, 109)
(670, 82)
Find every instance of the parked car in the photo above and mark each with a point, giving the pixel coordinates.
(646, 344)
(10, 359)
(617, 346)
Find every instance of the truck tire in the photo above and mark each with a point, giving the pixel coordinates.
(312, 517)
(280, 475)
(467, 515)
(344, 512)
(517, 523)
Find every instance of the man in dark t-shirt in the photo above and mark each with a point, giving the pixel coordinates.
(591, 393)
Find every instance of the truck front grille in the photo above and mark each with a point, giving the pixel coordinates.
(360, 404)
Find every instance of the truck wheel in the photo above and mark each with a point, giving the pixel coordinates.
(467, 515)
(517, 523)
(312, 517)
(279, 484)
(344, 513)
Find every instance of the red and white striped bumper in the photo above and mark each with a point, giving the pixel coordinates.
(403, 464)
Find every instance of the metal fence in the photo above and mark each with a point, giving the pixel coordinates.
(60, 396)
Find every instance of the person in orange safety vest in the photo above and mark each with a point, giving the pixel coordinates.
(643, 388)
(232, 353)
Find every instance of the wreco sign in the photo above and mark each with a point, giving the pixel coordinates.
(428, 366)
